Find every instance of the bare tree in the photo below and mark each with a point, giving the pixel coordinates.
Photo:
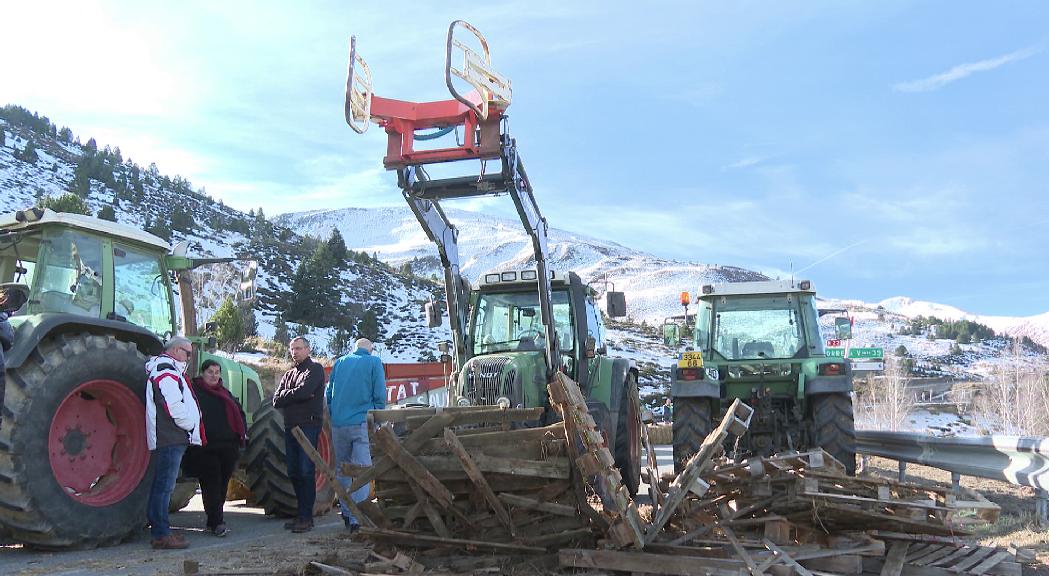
(1016, 397)
(884, 402)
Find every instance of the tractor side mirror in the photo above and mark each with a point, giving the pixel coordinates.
(445, 348)
(433, 313)
(209, 327)
(671, 334)
(843, 328)
(14, 296)
(615, 304)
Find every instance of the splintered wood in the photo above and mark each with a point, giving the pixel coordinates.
(497, 482)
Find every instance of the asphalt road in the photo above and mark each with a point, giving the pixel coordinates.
(252, 536)
(250, 530)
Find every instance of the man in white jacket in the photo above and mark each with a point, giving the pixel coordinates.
(172, 424)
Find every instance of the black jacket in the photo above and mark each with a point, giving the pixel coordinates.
(300, 394)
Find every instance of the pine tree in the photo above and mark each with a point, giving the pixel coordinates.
(369, 326)
(336, 246)
(107, 213)
(280, 331)
(3, 137)
(70, 203)
(229, 326)
(91, 148)
(339, 343)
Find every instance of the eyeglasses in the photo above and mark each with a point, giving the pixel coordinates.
(186, 351)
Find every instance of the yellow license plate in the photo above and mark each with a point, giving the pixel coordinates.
(690, 360)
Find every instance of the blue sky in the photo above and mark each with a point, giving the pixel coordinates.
(880, 148)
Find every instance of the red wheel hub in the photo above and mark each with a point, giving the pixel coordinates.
(97, 443)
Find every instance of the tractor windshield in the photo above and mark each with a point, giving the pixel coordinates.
(62, 267)
(510, 321)
(761, 327)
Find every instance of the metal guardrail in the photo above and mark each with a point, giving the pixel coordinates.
(1020, 460)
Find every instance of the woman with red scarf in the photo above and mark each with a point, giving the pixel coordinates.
(225, 434)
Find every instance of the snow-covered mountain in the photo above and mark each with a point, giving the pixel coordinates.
(652, 284)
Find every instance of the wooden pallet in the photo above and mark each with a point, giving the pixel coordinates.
(942, 559)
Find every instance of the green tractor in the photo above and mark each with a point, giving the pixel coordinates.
(92, 300)
(505, 363)
(760, 342)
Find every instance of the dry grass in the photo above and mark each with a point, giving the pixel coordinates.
(1016, 523)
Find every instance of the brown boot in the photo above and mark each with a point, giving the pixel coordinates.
(302, 525)
(170, 542)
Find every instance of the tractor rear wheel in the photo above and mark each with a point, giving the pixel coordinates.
(267, 470)
(628, 436)
(691, 426)
(184, 492)
(73, 457)
(834, 428)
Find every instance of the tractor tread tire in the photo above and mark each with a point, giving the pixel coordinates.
(267, 471)
(627, 454)
(834, 428)
(34, 509)
(691, 425)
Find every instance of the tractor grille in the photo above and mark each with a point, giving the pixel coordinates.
(485, 382)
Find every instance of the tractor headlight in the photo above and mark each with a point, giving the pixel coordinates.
(462, 402)
(502, 402)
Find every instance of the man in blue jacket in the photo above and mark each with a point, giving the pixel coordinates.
(357, 384)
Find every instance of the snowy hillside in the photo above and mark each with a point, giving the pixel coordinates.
(652, 285)
(213, 229)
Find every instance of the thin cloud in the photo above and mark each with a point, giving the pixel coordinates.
(937, 81)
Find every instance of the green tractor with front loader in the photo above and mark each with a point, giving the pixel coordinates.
(761, 342)
(91, 301)
(505, 363)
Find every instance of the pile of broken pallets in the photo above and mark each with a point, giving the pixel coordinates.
(492, 481)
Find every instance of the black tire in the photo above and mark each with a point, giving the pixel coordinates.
(39, 504)
(628, 436)
(184, 492)
(834, 429)
(267, 470)
(691, 426)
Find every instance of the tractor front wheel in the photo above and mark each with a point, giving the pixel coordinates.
(73, 457)
(628, 436)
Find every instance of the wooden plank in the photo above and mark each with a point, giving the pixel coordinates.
(413, 442)
(922, 550)
(972, 560)
(478, 478)
(741, 552)
(837, 564)
(431, 485)
(490, 416)
(431, 513)
(548, 507)
(421, 414)
(647, 563)
(928, 559)
(786, 558)
(341, 492)
(420, 540)
(959, 552)
(991, 562)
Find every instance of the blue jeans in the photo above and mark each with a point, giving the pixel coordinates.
(351, 447)
(166, 461)
(301, 470)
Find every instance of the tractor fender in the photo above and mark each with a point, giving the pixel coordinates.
(830, 384)
(30, 333)
(705, 388)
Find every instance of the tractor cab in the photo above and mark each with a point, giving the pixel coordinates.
(85, 267)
